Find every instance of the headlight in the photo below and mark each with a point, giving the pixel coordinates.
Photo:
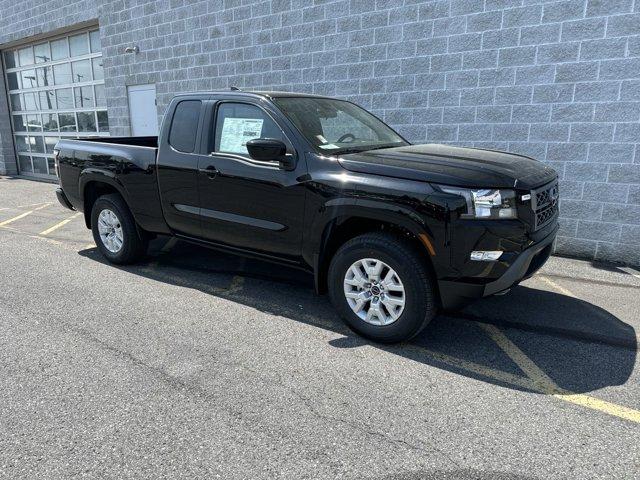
(486, 203)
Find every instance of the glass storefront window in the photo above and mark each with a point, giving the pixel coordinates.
(39, 165)
(44, 76)
(67, 122)
(26, 56)
(47, 100)
(94, 40)
(31, 101)
(50, 122)
(49, 143)
(81, 71)
(21, 143)
(101, 101)
(11, 59)
(19, 123)
(98, 72)
(41, 53)
(62, 73)
(16, 102)
(33, 123)
(84, 96)
(64, 98)
(24, 163)
(79, 45)
(55, 90)
(13, 80)
(59, 49)
(103, 121)
(86, 121)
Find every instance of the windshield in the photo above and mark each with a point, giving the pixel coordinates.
(336, 126)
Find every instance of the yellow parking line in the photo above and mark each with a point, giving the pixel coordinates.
(547, 386)
(559, 288)
(32, 205)
(22, 215)
(60, 224)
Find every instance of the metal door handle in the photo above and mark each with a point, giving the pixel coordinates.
(210, 170)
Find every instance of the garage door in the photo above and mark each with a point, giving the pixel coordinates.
(55, 89)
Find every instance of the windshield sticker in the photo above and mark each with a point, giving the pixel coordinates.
(329, 146)
(236, 132)
(321, 138)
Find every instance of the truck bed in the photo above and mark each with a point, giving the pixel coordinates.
(133, 141)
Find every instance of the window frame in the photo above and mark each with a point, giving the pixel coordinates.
(274, 164)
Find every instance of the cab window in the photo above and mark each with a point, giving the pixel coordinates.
(237, 123)
(184, 126)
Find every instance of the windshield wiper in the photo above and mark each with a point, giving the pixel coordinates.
(364, 149)
(349, 150)
(388, 145)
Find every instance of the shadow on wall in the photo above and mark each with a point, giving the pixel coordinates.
(455, 342)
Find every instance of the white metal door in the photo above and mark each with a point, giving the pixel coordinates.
(142, 110)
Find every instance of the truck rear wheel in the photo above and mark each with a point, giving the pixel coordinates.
(381, 287)
(114, 230)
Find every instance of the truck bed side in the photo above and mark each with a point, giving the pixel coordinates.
(123, 164)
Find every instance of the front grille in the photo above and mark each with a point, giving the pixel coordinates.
(544, 203)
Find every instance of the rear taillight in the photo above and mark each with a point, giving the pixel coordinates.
(56, 153)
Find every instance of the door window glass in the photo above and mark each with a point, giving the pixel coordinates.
(184, 126)
(237, 123)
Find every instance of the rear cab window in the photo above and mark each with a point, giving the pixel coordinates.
(184, 126)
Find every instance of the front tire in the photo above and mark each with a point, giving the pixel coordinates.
(381, 286)
(114, 230)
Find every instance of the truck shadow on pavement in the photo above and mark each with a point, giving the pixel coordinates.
(580, 346)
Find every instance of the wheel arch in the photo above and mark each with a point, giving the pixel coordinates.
(343, 228)
(93, 186)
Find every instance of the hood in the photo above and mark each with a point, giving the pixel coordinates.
(456, 166)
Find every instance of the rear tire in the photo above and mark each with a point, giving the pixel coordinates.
(115, 232)
(401, 294)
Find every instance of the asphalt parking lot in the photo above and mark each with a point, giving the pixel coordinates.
(195, 364)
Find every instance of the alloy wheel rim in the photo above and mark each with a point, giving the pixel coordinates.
(374, 291)
(110, 230)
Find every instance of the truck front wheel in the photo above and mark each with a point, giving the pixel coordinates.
(114, 230)
(381, 287)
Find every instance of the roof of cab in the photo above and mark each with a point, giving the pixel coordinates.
(255, 93)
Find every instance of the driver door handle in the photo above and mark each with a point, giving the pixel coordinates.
(210, 170)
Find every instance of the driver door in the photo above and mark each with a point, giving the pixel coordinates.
(245, 203)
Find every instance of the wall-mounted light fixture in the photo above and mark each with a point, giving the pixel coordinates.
(133, 49)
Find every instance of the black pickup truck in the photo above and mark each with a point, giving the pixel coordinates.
(392, 231)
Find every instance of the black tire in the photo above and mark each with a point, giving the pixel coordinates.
(409, 264)
(133, 246)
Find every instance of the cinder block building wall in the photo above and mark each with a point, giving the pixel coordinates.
(557, 80)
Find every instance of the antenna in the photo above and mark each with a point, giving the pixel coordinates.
(234, 88)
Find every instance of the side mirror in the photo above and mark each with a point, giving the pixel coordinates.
(269, 150)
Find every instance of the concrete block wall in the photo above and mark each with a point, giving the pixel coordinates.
(557, 80)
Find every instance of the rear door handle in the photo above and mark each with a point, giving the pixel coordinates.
(210, 170)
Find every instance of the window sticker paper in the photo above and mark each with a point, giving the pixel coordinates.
(236, 132)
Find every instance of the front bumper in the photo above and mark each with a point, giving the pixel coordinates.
(457, 294)
(62, 198)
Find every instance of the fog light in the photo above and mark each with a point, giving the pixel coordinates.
(486, 255)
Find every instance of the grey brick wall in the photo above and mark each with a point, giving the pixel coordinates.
(557, 80)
